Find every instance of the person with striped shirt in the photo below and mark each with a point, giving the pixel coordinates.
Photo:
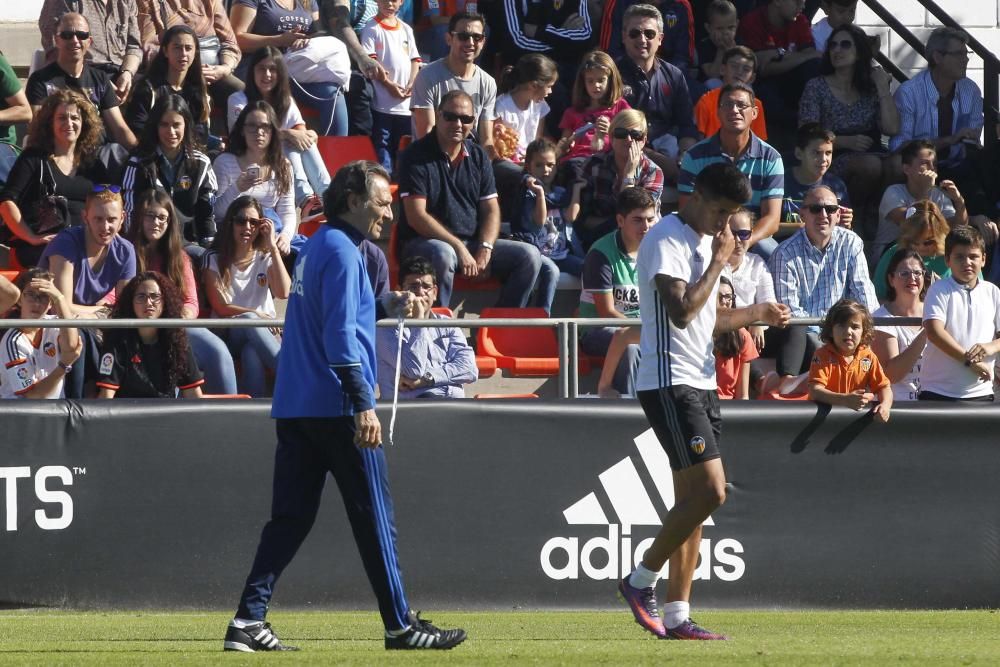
(679, 264)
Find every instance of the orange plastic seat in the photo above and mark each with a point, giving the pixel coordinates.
(10, 274)
(338, 151)
(524, 352)
(502, 396)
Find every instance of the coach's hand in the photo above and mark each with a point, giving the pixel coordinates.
(367, 430)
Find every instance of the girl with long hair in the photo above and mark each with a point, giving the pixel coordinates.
(598, 96)
(156, 235)
(268, 81)
(734, 350)
(168, 158)
(147, 362)
(243, 276)
(255, 166)
(522, 106)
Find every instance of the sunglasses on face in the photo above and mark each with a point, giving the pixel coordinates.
(622, 133)
(104, 187)
(474, 37)
(843, 44)
(819, 208)
(648, 33)
(742, 234)
(252, 222)
(451, 117)
(81, 35)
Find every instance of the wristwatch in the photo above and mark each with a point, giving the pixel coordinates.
(427, 379)
(67, 368)
(486, 244)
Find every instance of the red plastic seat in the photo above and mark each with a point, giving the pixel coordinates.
(10, 274)
(338, 151)
(525, 351)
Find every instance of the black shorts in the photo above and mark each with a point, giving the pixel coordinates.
(686, 421)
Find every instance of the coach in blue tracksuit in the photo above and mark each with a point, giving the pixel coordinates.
(324, 404)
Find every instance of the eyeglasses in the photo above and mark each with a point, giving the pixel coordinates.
(153, 298)
(161, 218)
(254, 127)
(816, 209)
(252, 222)
(742, 234)
(725, 105)
(37, 297)
(906, 275)
(843, 44)
(104, 187)
(81, 35)
(451, 117)
(418, 285)
(648, 33)
(726, 298)
(475, 37)
(633, 134)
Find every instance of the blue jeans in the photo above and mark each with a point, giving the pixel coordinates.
(515, 264)
(257, 349)
(387, 131)
(214, 361)
(595, 342)
(328, 101)
(309, 173)
(548, 278)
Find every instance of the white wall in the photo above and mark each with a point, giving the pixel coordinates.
(19, 10)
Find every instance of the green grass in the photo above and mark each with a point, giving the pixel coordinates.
(574, 638)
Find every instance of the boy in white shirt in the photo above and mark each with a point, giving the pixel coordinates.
(390, 41)
(961, 318)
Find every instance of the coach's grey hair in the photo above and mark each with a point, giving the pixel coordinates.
(941, 39)
(643, 11)
(354, 178)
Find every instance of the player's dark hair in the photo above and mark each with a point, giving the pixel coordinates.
(634, 199)
(740, 52)
(898, 258)
(911, 150)
(841, 313)
(537, 147)
(737, 86)
(722, 180)
(966, 235)
(465, 16)
(175, 340)
(416, 266)
(727, 344)
(810, 132)
(354, 178)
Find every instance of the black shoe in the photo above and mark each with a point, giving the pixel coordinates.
(252, 638)
(424, 635)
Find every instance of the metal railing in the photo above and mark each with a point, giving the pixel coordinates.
(567, 331)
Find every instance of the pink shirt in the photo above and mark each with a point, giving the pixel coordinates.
(155, 263)
(572, 119)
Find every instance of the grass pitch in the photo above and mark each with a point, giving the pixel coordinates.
(41, 637)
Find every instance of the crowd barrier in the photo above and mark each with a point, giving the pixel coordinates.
(500, 505)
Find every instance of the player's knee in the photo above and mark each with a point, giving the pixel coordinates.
(713, 495)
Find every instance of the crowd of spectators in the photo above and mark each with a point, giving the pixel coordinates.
(177, 141)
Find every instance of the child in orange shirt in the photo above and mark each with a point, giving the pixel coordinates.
(845, 371)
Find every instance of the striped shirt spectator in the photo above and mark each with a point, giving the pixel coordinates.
(760, 162)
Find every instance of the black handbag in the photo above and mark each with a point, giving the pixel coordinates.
(52, 211)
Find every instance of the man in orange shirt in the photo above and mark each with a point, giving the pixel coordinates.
(739, 65)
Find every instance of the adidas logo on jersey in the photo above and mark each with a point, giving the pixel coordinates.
(612, 555)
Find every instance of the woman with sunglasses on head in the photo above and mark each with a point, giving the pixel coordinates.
(900, 348)
(176, 69)
(148, 362)
(268, 81)
(255, 166)
(243, 276)
(65, 135)
(851, 97)
(610, 172)
(35, 361)
(156, 235)
(168, 159)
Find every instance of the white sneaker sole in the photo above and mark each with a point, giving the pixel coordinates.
(237, 646)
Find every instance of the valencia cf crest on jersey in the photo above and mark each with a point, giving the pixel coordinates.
(184, 183)
(866, 364)
(557, 4)
(49, 349)
(261, 280)
(697, 444)
(670, 19)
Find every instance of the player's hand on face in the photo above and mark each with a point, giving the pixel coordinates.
(367, 429)
(723, 244)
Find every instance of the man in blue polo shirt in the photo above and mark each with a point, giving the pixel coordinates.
(761, 163)
(324, 404)
(450, 210)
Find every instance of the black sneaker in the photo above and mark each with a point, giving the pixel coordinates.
(252, 638)
(424, 635)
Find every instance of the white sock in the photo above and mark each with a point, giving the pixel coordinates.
(675, 613)
(241, 623)
(396, 633)
(642, 577)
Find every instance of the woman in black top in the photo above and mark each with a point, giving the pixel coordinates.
(65, 134)
(168, 159)
(148, 362)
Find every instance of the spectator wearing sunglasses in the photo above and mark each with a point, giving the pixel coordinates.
(450, 213)
(752, 282)
(813, 269)
(70, 70)
(457, 71)
(657, 87)
(113, 32)
(677, 36)
(609, 173)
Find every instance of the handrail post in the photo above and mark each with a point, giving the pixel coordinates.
(562, 329)
(574, 360)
